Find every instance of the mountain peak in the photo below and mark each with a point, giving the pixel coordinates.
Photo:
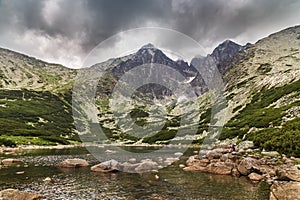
(149, 50)
(148, 46)
(228, 43)
(226, 50)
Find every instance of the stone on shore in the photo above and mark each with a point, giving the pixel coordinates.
(12, 194)
(288, 174)
(245, 145)
(270, 153)
(195, 168)
(219, 168)
(73, 163)
(213, 155)
(255, 177)
(285, 191)
(247, 165)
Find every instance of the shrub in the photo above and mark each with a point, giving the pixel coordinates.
(283, 141)
(264, 68)
(162, 135)
(7, 142)
(55, 139)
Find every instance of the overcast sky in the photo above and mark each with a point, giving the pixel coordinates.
(65, 31)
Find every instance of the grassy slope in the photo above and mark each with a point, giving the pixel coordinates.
(39, 117)
(274, 133)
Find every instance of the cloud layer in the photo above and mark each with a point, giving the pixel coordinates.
(64, 31)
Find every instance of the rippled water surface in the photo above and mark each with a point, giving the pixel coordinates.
(173, 182)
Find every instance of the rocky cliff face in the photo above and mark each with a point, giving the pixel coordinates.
(227, 54)
(149, 54)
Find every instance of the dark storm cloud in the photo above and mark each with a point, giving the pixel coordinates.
(88, 22)
(94, 20)
(111, 17)
(219, 20)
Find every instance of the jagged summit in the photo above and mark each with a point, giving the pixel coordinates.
(227, 46)
(228, 42)
(148, 46)
(225, 52)
(150, 54)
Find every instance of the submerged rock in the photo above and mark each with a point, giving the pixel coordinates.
(129, 167)
(146, 166)
(132, 160)
(108, 151)
(10, 161)
(11, 194)
(178, 154)
(73, 163)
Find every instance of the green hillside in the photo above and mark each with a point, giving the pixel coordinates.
(35, 117)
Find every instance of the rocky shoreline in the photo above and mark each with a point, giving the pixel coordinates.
(281, 172)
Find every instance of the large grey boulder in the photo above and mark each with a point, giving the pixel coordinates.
(285, 191)
(220, 168)
(107, 166)
(129, 167)
(247, 165)
(146, 166)
(288, 174)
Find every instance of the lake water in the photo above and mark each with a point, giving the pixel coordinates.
(81, 183)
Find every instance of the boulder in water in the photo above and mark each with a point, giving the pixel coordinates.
(146, 166)
(107, 166)
(10, 161)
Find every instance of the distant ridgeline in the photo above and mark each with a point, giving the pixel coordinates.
(262, 92)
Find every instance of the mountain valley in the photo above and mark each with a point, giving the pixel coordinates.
(262, 89)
